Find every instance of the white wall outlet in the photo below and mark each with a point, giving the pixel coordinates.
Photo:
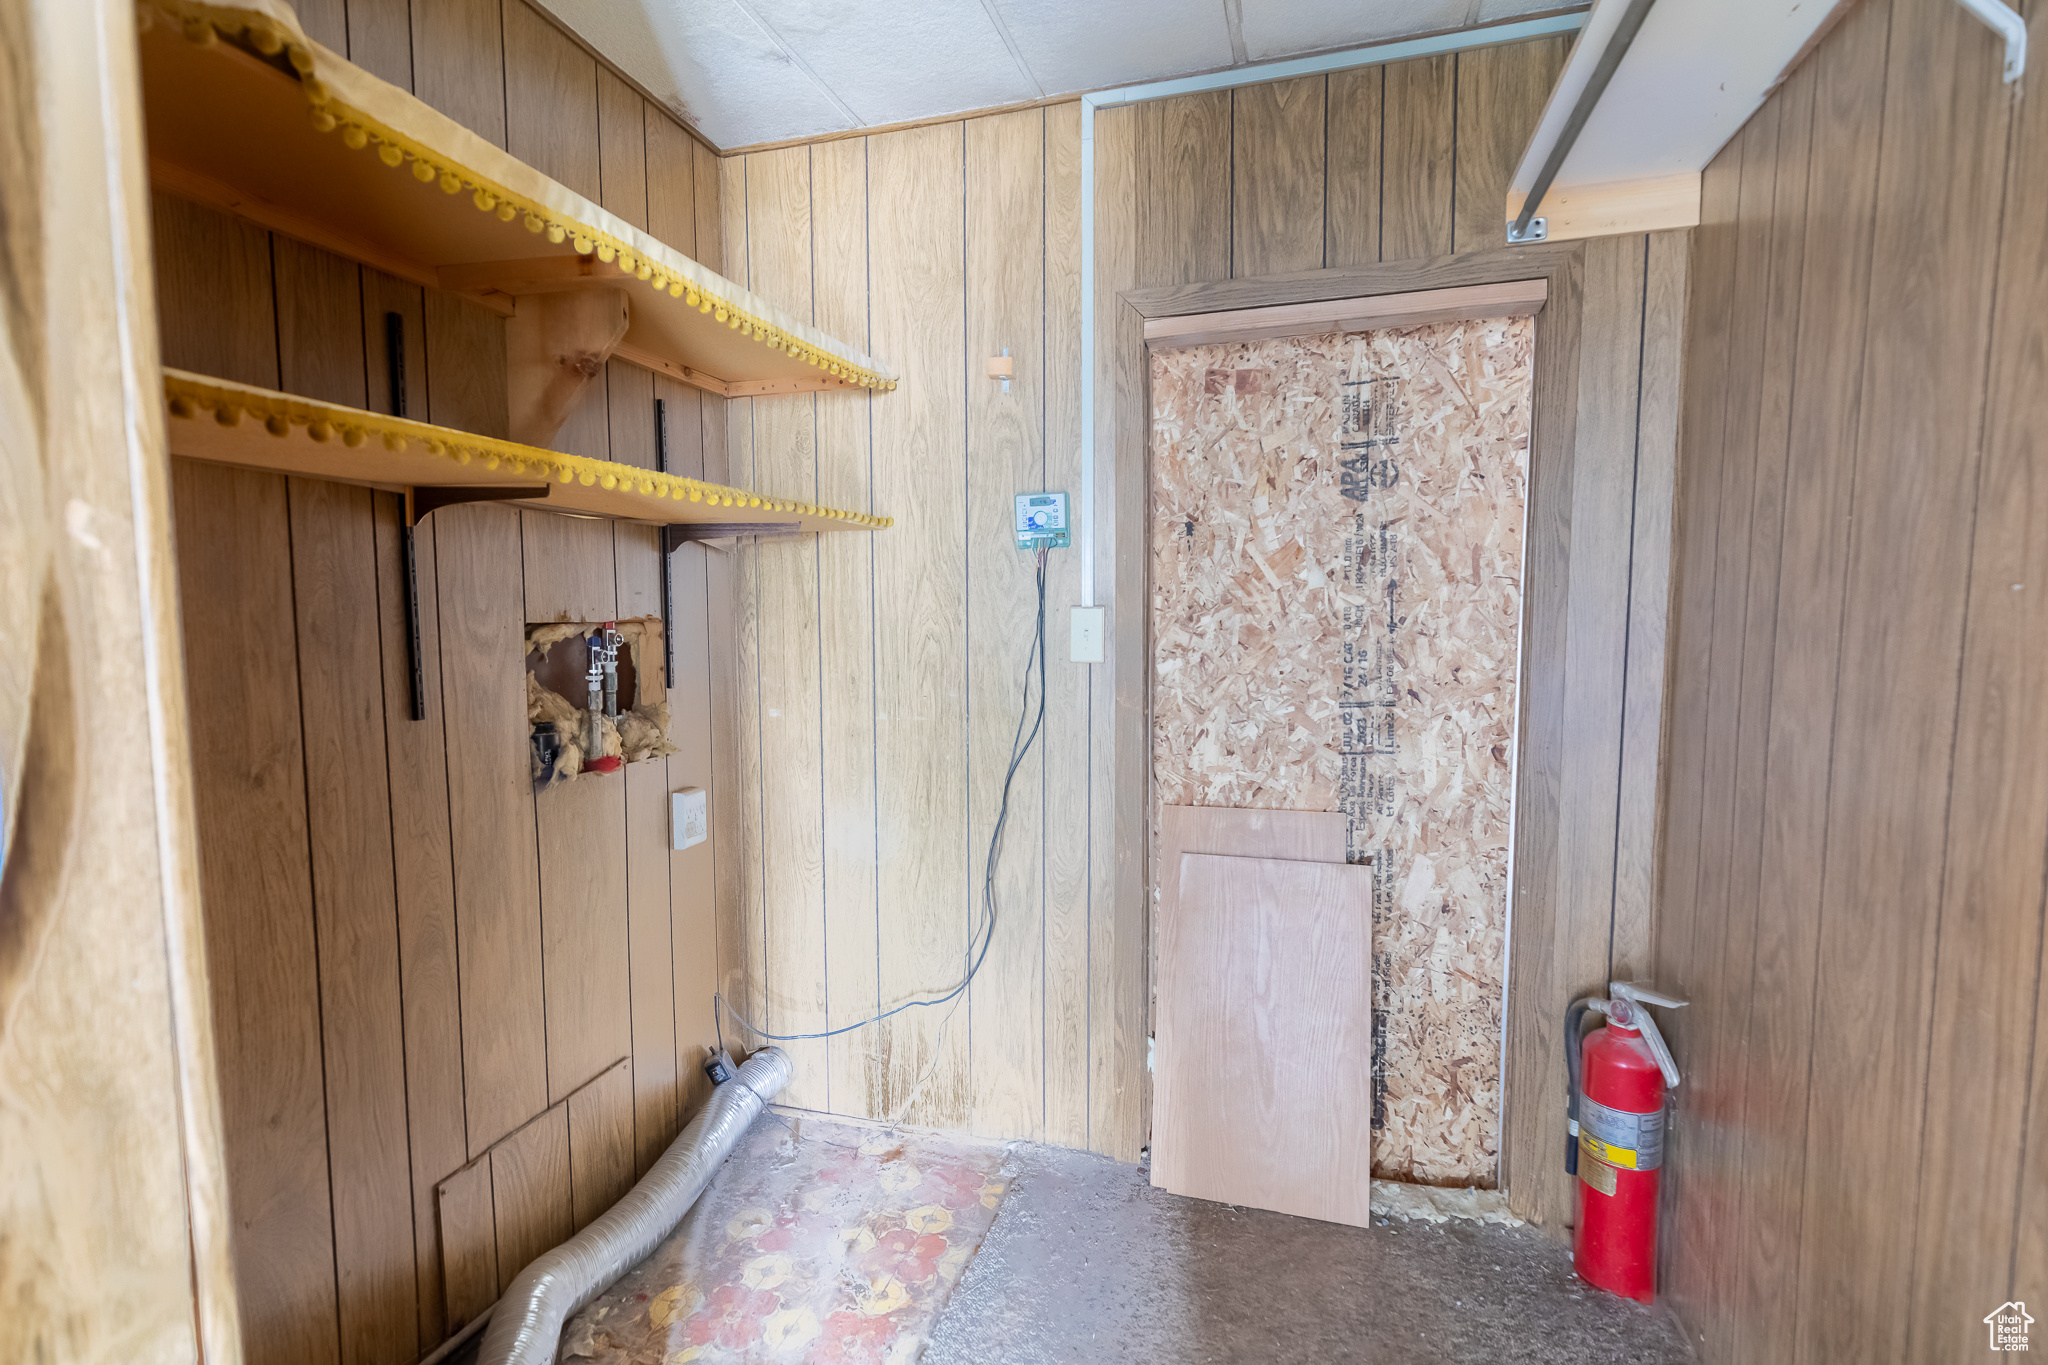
(689, 817)
(1086, 624)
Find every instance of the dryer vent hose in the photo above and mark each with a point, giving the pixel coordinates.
(526, 1327)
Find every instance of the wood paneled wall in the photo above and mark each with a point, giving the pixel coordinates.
(113, 1184)
(416, 961)
(1854, 872)
(875, 683)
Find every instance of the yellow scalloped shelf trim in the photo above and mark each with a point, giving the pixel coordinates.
(188, 395)
(205, 24)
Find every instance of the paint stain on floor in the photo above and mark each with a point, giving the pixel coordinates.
(816, 1242)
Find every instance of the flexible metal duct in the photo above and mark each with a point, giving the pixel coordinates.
(526, 1327)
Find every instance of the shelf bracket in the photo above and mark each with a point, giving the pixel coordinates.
(668, 596)
(1522, 228)
(688, 533)
(421, 501)
(555, 344)
(2001, 19)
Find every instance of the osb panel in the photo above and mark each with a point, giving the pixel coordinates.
(1336, 578)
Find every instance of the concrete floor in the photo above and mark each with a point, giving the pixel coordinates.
(1088, 1263)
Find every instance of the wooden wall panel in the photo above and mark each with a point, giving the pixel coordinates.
(551, 101)
(1278, 167)
(334, 582)
(458, 62)
(1785, 260)
(1639, 828)
(1418, 157)
(530, 1200)
(735, 698)
(673, 214)
(1697, 949)
(1066, 853)
(1852, 889)
(1933, 254)
(601, 1161)
(1351, 231)
(1997, 862)
(248, 770)
(1707, 347)
(1602, 516)
(470, 951)
(380, 39)
(789, 737)
(1113, 1117)
(334, 590)
(633, 176)
(497, 871)
(424, 883)
(1844, 85)
(1005, 284)
(1501, 94)
(915, 198)
(856, 1078)
(1183, 187)
(469, 1241)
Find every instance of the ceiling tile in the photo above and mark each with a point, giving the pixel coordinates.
(895, 60)
(713, 61)
(1076, 45)
(1286, 28)
(1493, 11)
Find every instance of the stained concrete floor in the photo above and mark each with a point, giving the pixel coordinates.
(1087, 1262)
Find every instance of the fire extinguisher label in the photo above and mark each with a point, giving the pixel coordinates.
(1634, 1142)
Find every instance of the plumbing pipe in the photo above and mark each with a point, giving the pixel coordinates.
(526, 1328)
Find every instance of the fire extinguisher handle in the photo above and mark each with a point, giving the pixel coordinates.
(1640, 1019)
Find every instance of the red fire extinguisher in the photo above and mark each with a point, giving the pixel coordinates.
(1619, 1079)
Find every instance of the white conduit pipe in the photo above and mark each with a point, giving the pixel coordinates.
(526, 1327)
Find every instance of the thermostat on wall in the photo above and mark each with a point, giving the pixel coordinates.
(1042, 521)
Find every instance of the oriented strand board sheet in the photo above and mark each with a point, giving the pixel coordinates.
(1336, 576)
(1261, 1083)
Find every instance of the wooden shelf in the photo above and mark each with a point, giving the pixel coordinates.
(247, 115)
(239, 424)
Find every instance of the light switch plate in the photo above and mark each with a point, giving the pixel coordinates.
(689, 818)
(1086, 625)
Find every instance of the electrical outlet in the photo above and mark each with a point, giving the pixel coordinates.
(1042, 521)
(1086, 626)
(689, 818)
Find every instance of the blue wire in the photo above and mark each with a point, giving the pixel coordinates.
(988, 888)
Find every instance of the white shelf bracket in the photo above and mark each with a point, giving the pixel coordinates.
(2001, 19)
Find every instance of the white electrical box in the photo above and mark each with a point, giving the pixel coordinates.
(1042, 521)
(689, 817)
(1086, 645)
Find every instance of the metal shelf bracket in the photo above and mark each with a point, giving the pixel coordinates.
(2001, 19)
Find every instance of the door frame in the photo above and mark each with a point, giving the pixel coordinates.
(1537, 980)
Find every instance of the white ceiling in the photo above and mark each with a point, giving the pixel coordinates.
(752, 71)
